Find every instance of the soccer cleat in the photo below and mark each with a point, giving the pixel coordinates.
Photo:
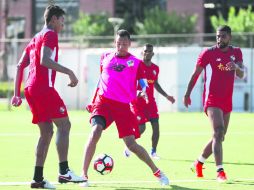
(85, 182)
(70, 177)
(162, 178)
(155, 156)
(197, 168)
(42, 185)
(221, 177)
(127, 152)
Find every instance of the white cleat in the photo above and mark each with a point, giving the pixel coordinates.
(155, 156)
(163, 179)
(42, 185)
(85, 183)
(127, 152)
(70, 177)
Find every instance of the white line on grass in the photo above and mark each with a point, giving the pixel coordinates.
(132, 182)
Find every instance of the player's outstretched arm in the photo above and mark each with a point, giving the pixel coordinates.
(191, 84)
(23, 63)
(158, 87)
(46, 61)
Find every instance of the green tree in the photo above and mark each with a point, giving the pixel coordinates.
(157, 21)
(93, 25)
(243, 21)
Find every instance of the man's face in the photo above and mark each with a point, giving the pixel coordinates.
(223, 39)
(59, 23)
(122, 44)
(147, 53)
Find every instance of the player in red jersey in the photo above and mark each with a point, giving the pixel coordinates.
(41, 55)
(221, 63)
(148, 111)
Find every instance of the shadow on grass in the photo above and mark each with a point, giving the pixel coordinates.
(171, 187)
(239, 182)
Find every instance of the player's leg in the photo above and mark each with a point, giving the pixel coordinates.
(62, 138)
(155, 137)
(40, 115)
(144, 156)
(46, 133)
(98, 124)
(128, 130)
(216, 117)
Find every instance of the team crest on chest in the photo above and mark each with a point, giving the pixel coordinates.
(154, 72)
(130, 63)
(117, 67)
(232, 58)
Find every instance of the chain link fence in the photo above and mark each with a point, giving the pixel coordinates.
(76, 47)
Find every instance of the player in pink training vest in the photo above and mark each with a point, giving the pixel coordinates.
(120, 72)
(41, 55)
(221, 63)
(148, 111)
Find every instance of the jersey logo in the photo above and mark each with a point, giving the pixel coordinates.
(232, 58)
(117, 67)
(154, 72)
(222, 67)
(130, 63)
(218, 59)
(62, 110)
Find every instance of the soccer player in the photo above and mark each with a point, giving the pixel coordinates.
(41, 55)
(221, 63)
(148, 111)
(120, 72)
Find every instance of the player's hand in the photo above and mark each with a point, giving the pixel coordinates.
(144, 95)
(171, 99)
(16, 101)
(232, 66)
(186, 101)
(73, 80)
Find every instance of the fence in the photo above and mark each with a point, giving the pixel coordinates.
(175, 54)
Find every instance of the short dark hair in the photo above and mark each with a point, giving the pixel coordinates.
(224, 28)
(123, 33)
(148, 45)
(52, 10)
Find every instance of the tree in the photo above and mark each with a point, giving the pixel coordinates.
(93, 25)
(157, 21)
(243, 21)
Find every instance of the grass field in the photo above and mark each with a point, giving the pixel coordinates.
(182, 138)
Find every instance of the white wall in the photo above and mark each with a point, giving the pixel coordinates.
(176, 66)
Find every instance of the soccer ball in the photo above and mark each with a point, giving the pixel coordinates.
(103, 164)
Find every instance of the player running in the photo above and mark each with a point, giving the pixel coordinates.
(147, 110)
(221, 63)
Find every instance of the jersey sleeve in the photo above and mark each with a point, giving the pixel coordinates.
(203, 58)
(239, 55)
(50, 40)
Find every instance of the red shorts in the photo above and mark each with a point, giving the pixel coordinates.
(118, 112)
(144, 112)
(45, 105)
(226, 107)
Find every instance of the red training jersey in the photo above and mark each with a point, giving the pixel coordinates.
(218, 79)
(41, 77)
(151, 74)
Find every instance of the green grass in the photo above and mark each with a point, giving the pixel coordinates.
(182, 138)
